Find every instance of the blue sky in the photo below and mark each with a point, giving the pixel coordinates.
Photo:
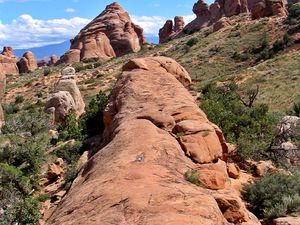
(33, 23)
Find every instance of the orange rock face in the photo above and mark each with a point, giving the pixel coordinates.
(169, 31)
(27, 63)
(8, 62)
(53, 60)
(110, 34)
(264, 8)
(138, 177)
(209, 14)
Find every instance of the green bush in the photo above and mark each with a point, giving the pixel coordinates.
(70, 129)
(278, 46)
(19, 99)
(296, 109)
(70, 152)
(47, 71)
(70, 176)
(294, 11)
(274, 195)
(192, 42)
(248, 125)
(92, 121)
(28, 212)
(192, 177)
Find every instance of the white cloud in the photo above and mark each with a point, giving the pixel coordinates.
(70, 10)
(152, 24)
(27, 32)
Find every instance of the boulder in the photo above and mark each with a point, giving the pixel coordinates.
(233, 170)
(60, 104)
(27, 63)
(53, 60)
(213, 175)
(67, 83)
(233, 208)
(8, 62)
(168, 31)
(54, 171)
(287, 221)
(138, 176)
(262, 168)
(110, 34)
(220, 24)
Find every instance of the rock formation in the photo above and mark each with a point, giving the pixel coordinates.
(42, 63)
(67, 96)
(155, 133)
(169, 31)
(265, 8)
(8, 62)
(27, 63)
(110, 34)
(209, 14)
(53, 60)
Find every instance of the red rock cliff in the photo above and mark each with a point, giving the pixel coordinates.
(110, 34)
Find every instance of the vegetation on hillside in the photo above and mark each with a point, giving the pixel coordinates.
(274, 195)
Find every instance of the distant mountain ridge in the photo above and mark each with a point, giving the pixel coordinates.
(45, 52)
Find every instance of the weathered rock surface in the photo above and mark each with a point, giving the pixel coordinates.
(287, 221)
(265, 8)
(209, 14)
(110, 34)
(171, 31)
(27, 63)
(67, 96)
(8, 62)
(53, 60)
(42, 63)
(138, 177)
(60, 104)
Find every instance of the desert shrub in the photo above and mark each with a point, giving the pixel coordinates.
(241, 56)
(98, 64)
(21, 211)
(70, 176)
(92, 121)
(274, 195)
(28, 154)
(33, 121)
(11, 108)
(19, 99)
(296, 109)
(250, 126)
(192, 177)
(192, 42)
(70, 152)
(278, 46)
(70, 129)
(294, 11)
(90, 60)
(47, 71)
